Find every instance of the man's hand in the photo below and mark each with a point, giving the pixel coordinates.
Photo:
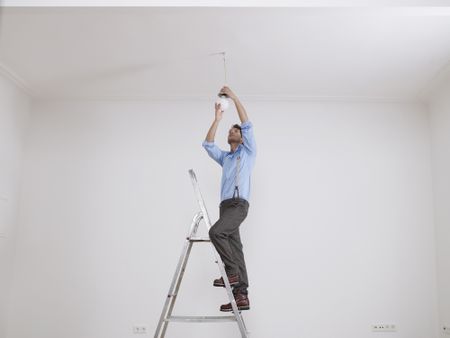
(219, 111)
(240, 108)
(228, 92)
(212, 130)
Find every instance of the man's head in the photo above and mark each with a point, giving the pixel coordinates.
(235, 134)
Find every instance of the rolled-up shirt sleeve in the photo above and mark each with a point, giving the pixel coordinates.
(214, 151)
(248, 137)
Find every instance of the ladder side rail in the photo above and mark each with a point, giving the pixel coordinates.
(160, 330)
(197, 219)
(200, 200)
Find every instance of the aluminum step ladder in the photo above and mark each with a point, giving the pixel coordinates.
(166, 315)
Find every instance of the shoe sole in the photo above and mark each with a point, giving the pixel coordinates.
(239, 309)
(223, 285)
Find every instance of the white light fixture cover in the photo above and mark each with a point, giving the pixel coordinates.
(224, 102)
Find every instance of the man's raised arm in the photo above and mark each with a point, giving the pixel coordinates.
(246, 125)
(212, 130)
(213, 150)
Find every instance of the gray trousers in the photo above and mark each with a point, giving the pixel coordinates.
(225, 236)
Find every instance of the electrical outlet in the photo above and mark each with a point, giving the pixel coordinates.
(141, 329)
(446, 329)
(384, 328)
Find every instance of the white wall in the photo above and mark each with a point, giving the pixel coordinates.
(339, 233)
(440, 126)
(14, 116)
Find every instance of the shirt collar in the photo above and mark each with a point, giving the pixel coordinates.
(233, 152)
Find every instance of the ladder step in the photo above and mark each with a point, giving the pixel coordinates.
(198, 239)
(201, 319)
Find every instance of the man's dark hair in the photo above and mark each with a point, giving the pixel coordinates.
(238, 127)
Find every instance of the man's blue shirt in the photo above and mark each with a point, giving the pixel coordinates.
(228, 162)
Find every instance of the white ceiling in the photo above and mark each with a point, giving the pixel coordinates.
(276, 53)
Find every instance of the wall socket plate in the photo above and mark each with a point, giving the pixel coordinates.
(446, 329)
(384, 328)
(140, 329)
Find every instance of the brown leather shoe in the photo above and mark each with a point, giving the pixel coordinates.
(242, 302)
(233, 279)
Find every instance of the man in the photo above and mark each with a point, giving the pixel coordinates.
(237, 165)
